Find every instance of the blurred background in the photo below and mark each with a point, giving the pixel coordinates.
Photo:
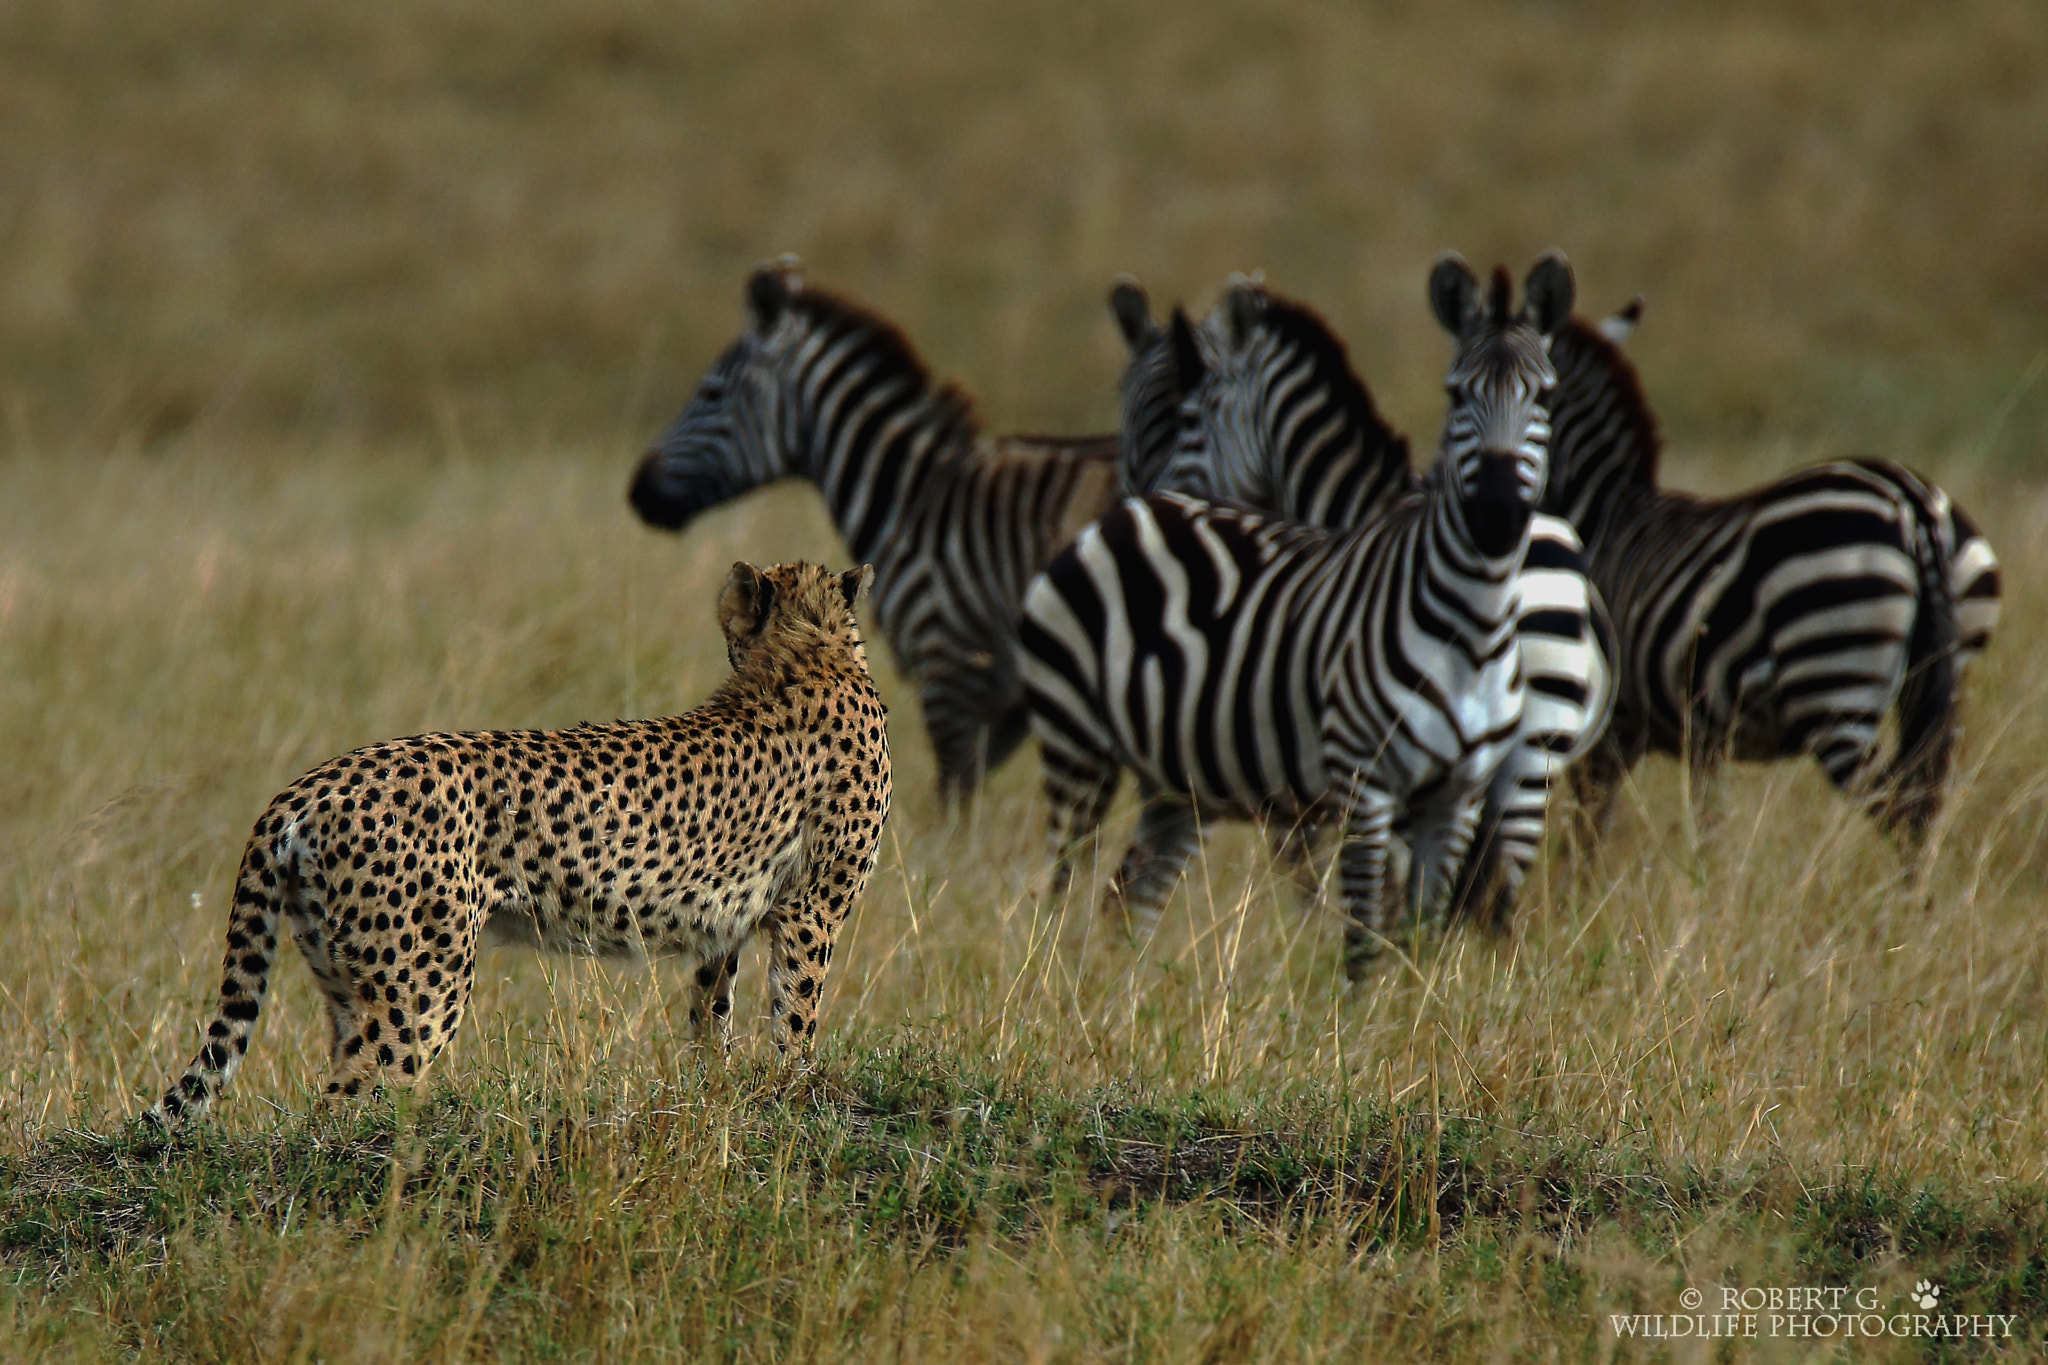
(330, 334)
(462, 226)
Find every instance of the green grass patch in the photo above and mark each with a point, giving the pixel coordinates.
(715, 1194)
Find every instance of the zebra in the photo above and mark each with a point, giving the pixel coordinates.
(956, 525)
(1150, 390)
(1268, 413)
(1246, 666)
(1274, 418)
(1788, 620)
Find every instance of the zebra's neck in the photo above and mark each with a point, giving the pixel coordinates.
(1333, 460)
(1600, 497)
(1479, 592)
(871, 429)
(1604, 444)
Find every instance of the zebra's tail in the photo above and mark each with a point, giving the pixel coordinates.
(260, 888)
(1911, 795)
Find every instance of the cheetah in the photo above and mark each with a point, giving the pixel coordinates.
(759, 811)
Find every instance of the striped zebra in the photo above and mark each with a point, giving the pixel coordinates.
(1274, 418)
(1246, 666)
(1150, 390)
(1267, 413)
(1789, 620)
(956, 525)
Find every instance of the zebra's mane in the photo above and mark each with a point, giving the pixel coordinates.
(1581, 348)
(1299, 326)
(890, 356)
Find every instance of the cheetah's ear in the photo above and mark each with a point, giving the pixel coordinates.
(854, 583)
(744, 605)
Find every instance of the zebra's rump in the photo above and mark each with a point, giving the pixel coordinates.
(1758, 618)
(1174, 643)
(1567, 642)
(950, 582)
(1972, 566)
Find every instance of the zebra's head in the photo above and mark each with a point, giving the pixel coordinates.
(1166, 363)
(1283, 421)
(1495, 448)
(1226, 425)
(737, 432)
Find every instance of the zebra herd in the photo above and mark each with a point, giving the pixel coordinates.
(1249, 598)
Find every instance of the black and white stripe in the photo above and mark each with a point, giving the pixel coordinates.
(1246, 666)
(1150, 389)
(1789, 620)
(955, 525)
(1273, 417)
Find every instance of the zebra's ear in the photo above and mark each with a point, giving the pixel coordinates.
(1619, 327)
(854, 583)
(1133, 312)
(1452, 290)
(1548, 292)
(770, 289)
(1242, 305)
(1188, 365)
(743, 606)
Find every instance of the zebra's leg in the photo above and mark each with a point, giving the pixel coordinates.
(1443, 839)
(1845, 745)
(1079, 786)
(1168, 832)
(1706, 748)
(1916, 785)
(1002, 739)
(1841, 726)
(1597, 779)
(959, 735)
(1913, 797)
(1294, 851)
(1362, 867)
(1839, 723)
(1506, 840)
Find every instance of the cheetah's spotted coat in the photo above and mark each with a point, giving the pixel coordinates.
(760, 810)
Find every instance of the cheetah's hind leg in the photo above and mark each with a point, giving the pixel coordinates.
(389, 1034)
(710, 994)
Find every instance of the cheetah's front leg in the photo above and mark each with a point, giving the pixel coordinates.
(800, 937)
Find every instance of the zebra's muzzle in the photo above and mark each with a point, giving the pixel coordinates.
(1497, 504)
(667, 497)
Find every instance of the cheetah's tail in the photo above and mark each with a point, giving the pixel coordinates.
(260, 889)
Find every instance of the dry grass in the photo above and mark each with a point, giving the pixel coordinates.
(326, 340)
(1762, 1014)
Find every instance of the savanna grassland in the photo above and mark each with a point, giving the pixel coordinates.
(328, 338)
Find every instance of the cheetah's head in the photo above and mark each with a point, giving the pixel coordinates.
(767, 614)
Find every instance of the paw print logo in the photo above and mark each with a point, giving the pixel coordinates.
(1927, 1294)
